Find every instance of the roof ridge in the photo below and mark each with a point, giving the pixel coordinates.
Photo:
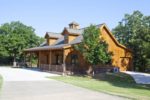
(95, 25)
(53, 32)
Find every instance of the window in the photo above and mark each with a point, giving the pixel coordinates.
(74, 59)
(66, 38)
(59, 59)
(47, 59)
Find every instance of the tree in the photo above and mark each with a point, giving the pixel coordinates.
(93, 48)
(15, 37)
(134, 32)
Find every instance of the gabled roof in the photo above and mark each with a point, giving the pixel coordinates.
(77, 40)
(59, 44)
(113, 38)
(43, 44)
(59, 41)
(77, 31)
(97, 26)
(72, 31)
(52, 35)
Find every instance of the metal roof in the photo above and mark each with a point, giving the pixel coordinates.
(59, 44)
(52, 34)
(77, 40)
(73, 23)
(59, 41)
(74, 31)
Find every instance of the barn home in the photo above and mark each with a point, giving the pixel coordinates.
(58, 53)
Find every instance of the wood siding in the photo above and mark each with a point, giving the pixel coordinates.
(122, 57)
(51, 41)
(71, 37)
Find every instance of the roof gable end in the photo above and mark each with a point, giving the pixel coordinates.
(52, 35)
(112, 37)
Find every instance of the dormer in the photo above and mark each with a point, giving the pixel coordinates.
(52, 37)
(68, 37)
(72, 32)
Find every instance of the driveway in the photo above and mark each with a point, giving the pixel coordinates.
(18, 74)
(140, 78)
(23, 84)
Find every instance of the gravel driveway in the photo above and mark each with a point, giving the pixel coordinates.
(140, 78)
(23, 84)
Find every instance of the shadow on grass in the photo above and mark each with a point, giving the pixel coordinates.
(121, 80)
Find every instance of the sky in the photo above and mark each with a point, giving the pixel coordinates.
(53, 15)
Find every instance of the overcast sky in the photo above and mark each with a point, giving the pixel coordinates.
(54, 15)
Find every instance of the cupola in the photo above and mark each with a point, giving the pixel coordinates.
(74, 25)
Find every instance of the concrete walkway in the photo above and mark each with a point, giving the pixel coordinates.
(140, 78)
(18, 85)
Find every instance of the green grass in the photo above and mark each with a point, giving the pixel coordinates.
(119, 84)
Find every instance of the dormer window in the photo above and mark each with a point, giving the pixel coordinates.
(66, 36)
(52, 37)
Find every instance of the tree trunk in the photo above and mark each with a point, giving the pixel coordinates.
(14, 61)
(90, 71)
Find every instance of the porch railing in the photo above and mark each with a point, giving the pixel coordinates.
(100, 69)
(75, 69)
(48, 67)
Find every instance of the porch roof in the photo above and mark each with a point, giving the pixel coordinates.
(61, 46)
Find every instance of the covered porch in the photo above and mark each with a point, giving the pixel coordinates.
(52, 60)
(63, 61)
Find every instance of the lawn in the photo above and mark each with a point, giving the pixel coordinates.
(119, 84)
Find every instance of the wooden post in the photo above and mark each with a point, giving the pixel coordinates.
(39, 61)
(50, 60)
(50, 57)
(24, 61)
(30, 59)
(64, 63)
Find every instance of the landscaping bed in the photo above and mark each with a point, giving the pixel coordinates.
(119, 84)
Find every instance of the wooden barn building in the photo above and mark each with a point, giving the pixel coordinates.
(58, 54)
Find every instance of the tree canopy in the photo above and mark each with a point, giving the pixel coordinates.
(14, 37)
(134, 32)
(94, 49)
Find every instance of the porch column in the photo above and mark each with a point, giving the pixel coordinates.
(50, 58)
(39, 61)
(30, 63)
(24, 60)
(64, 63)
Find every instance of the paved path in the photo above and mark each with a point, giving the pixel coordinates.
(140, 78)
(18, 74)
(18, 86)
